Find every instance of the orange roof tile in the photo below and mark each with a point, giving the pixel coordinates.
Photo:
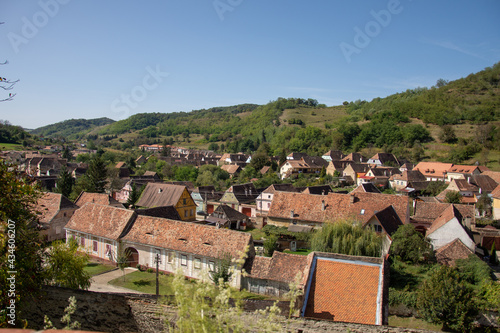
(433, 169)
(49, 204)
(97, 198)
(449, 253)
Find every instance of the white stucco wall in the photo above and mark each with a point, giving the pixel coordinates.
(448, 233)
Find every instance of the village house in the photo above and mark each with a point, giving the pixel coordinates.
(408, 179)
(273, 275)
(353, 171)
(97, 198)
(123, 170)
(314, 210)
(448, 227)
(355, 157)
(319, 190)
(379, 176)
(232, 169)
(461, 172)
(385, 223)
(333, 155)
(293, 168)
(467, 190)
(203, 197)
(241, 198)
(451, 252)
(161, 195)
(424, 214)
(54, 211)
(346, 288)
(227, 217)
(236, 159)
(336, 167)
(140, 160)
(384, 159)
(99, 228)
(366, 188)
(434, 171)
(265, 199)
(295, 156)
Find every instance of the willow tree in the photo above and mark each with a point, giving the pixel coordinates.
(347, 238)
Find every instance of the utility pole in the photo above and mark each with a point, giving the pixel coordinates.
(157, 261)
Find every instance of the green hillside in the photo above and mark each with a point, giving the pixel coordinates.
(72, 128)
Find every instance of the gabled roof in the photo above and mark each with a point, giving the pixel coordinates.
(296, 156)
(244, 193)
(495, 175)
(231, 168)
(281, 188)
(496, 192)
(384, 171)
(464, 185)
(315, 161)
(187, 184)
(357, 206)
(484, 182)
(121, 165)
(410, 176)
(356, 157)
(158, 195)
(359, 168)
(97, 198)
(449, 253)
(319, 190)
(101, 220)
(388, 219)
(49, 204)
(429, 211)
(166, 212)
(188, 237)
(230, 213)
(282, 267)
(447, 215)
(463, 168)
(385, 158)
(297, 164)
(366, 188)
(335, 155)
(433, 169)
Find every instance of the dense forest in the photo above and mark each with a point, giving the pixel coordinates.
(72, 128)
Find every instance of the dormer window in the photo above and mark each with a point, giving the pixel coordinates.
(362, 212)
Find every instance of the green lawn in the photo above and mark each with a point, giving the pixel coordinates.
(304, 252)
(11, 146)
(256, 233)
(95, 268)
(412, 322)
(146, 282)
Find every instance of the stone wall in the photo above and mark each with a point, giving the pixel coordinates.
(139, 313)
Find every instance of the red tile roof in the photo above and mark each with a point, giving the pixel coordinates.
(188, 237)
(433, 169)
(101, 220)
(463, 168)
(97, 198)
(345, 290)
(358, 206)
(282, 267)
(158, 195)
(495, 175)
(447, 215)
(49, 204)
(448, 254)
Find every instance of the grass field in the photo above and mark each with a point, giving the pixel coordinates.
(315, 117)
(95, 268)
(11, 146)
(303, 252)
(412, 322)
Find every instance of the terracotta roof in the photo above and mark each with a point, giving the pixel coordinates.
(101, 220)
(188, 237)
(433, 169)
(319, 189)
(432, 210)
(385, 158)
(334, 154)
(496, 192)
(281, 188)
(282, 267)
(410, 176)
(449, 253)
(358, 206)
(356, 157)
(463, 185)
(264, 170)
(462, 168)
(158, 195)
(120, 165)
(49, 204)
(231, 168)
(345, 290)
(366, 188)
(315, 161)
(495, 175)
(229, 213)
(484, 182)
(186, 184)
(448, 214)
(97, 198)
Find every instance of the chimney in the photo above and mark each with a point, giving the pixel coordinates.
(352, 199)
(323, 206)
(292, 214)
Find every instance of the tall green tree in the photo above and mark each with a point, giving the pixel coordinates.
(453, 197)
(445, 299)
(21, 248)
(411, 246)
(347, 238)
(133, 196)
(96, 175)
(65, 266)
(65, 182)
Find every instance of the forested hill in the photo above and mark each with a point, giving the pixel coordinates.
(71, 128)
(475, 98)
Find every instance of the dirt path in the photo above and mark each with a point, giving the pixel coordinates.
(100, 282)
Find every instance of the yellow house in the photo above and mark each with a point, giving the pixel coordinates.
(496, 202)
(161, 195)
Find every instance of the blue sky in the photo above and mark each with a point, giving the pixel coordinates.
(90, 59)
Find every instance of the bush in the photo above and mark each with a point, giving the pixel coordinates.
(150, 270)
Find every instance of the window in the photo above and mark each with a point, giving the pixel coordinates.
(197, 263)
(94, 246)
(377, 228)
(184, 201)
(184, 259)
(211, 266)
(82, 241)
(170, 257)
(191, 212)
(108, 250)
(185, 213)
(362, 212)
